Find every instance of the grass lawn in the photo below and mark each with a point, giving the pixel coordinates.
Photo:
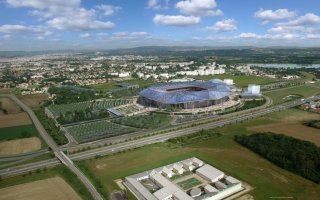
(61, 171)
(15, 132)
(222, 152)
(112, 85)
(278, 95)
(189, 183)
(240, 80)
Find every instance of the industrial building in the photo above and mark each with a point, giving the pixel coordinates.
(161, 183)
(186, 95)
(253, 92)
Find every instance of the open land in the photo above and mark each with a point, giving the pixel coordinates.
(10, 106)
(33, 100)
(278, 96)
(19, 146)
(14, 120)
(221, 152)
(241, 80)
(24, 131)
(50, 189)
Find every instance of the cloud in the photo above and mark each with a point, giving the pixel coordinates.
(131, 35)
(176, 20)
(64, 14)
(16, 28)
(198, 7)
(307, 19)
(270, 15)
(156, 4)
(248, 35)
(227, 25)
(84, 35)
(108, 10)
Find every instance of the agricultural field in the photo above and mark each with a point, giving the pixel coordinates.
(50, 189)
(279, 96)
(96, 130)
(148, 121)
(240, 80)
(222, 152)
(52, 184)
(18, 146)
(17, 119)
(8, 106)
(24, 131)
(100, 104)
(33, 101)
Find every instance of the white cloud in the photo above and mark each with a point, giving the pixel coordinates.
(198, 7)
(223, 26)
(131, 35)
(85, 35)
(313, 36)
(108, 10)
(63, 14)
(307, 19)
(270, 15)
(6, 36)
(248, 35)
(16, 28)
(156, 4)
(176, 20)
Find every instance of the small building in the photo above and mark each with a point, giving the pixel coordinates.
(232, 180)
(196, 162)
(128, 85)
(178, 168)
(195, 192)
(210, 173)
(187, 165)
(167, 172)
(210, 189)
(220, 185)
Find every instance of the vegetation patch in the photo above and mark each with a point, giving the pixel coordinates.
(151, 121)
(313, 124)
(298, 156)
(17, 132)
(50, 126)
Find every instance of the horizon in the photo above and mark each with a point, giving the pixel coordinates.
(110, 24)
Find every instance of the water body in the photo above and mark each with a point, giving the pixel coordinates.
(286, 65)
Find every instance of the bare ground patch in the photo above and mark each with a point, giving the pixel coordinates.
(18, 146)
(49, 189)
(10, 106)
(14, 120)
(294, 129)
(33, 100)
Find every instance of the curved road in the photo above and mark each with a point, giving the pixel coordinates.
(58, 153)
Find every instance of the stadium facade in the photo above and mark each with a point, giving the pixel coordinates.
(186, 95)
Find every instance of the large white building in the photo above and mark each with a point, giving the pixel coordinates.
(215, 184)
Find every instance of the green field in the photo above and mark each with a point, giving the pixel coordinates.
(145, 121)
(112, 85)
(221, 152)
(15, 132)
(189, 183)
(61, 171)
(278, 95)
(240, 80)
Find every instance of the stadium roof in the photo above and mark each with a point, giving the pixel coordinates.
(181, 92)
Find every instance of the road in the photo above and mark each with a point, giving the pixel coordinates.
(56, 150)
(153, 139)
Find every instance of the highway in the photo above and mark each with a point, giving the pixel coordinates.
(58, 153)
(153, 139)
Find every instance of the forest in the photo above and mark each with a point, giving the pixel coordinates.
(298, 156)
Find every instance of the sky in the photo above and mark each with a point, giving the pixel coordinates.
(107, 24)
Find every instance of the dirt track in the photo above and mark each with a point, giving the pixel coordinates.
(48, 189)
(18, 146)
(14, 120)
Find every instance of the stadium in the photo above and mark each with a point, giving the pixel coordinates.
(186, 95)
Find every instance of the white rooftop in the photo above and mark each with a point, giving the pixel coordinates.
(210, 172)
